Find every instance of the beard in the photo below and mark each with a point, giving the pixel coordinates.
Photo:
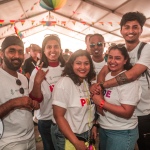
(131, 41)
(11, 65)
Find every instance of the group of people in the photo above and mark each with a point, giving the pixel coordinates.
(77, 99)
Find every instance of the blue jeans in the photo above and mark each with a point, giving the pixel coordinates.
(44, 127)
(118, 139)
(59, 139)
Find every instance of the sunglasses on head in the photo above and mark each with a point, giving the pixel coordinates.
(98, 44)
(21, 90)
(51, 35)
(114, 46)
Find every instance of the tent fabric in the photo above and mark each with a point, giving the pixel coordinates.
(76, 19)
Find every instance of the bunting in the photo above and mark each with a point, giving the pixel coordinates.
(12, 22)
(1, 22)
(110, 23)
(19, 34)
(22, 22)
(63, 23)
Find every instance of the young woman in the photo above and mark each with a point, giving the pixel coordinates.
(118, 122)
(72, 107)
(42, 83)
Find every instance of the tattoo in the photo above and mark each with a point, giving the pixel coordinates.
(121, 79)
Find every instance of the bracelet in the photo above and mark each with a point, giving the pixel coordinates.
(96, 125)
(102, 104)
(101, 85)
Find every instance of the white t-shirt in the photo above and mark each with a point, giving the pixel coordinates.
(75, 99)
(143, 107)
(18, 124)
(98, 67)
(124, 94)
(45, 112)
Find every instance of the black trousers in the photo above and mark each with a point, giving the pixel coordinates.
(144, 132)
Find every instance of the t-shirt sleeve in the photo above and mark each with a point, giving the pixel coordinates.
(129, 93)
(60, 94)
(145, 56)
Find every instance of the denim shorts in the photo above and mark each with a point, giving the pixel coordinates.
(118, 139)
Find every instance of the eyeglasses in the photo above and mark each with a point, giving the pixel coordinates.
(21, 90)
(98, 44)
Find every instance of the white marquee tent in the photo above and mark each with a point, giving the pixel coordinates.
(72, 22)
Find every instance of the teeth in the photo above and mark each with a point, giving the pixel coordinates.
(53, 54)
(82, 71)
(130, 35)
(113, 65)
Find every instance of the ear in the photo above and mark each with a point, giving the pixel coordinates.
(125, 61)
(2, 54)
(141, 30)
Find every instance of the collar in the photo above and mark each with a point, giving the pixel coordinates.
(53, 64)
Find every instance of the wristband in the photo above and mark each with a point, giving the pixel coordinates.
(101, 105)
(101, 85)
(96, 125)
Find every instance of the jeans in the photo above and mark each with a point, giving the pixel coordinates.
(144, 132)
(59, 139)
(44, 127)
(118, 139)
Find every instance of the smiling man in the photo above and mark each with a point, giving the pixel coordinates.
(131, 29)
(97, 44)
(15, 105)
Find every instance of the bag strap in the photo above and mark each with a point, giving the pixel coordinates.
(140, 49)
(146, 73)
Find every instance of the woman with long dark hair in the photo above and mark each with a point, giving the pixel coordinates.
(42, 82)
(72, 107)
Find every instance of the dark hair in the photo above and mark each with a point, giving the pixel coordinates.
(131, 16)
(44, 58)
(96, 34)
(124, 53)
(68, 70)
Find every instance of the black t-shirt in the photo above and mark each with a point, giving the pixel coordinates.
(28, 67)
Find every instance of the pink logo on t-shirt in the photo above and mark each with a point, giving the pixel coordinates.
(107, 94)
(51, 87)
(84, 101)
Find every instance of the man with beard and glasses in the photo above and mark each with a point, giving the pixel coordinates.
(131, 29)
(16, 126)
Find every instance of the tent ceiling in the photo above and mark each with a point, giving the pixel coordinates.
(81, 16)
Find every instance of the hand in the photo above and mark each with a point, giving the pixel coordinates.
(35, 105)
(80, 145)
(22, 102)
(97, 98)
(95, 88)
(94, 133)
(100, 110)
(40, 76)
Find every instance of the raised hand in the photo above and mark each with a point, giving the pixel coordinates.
(40, 76)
